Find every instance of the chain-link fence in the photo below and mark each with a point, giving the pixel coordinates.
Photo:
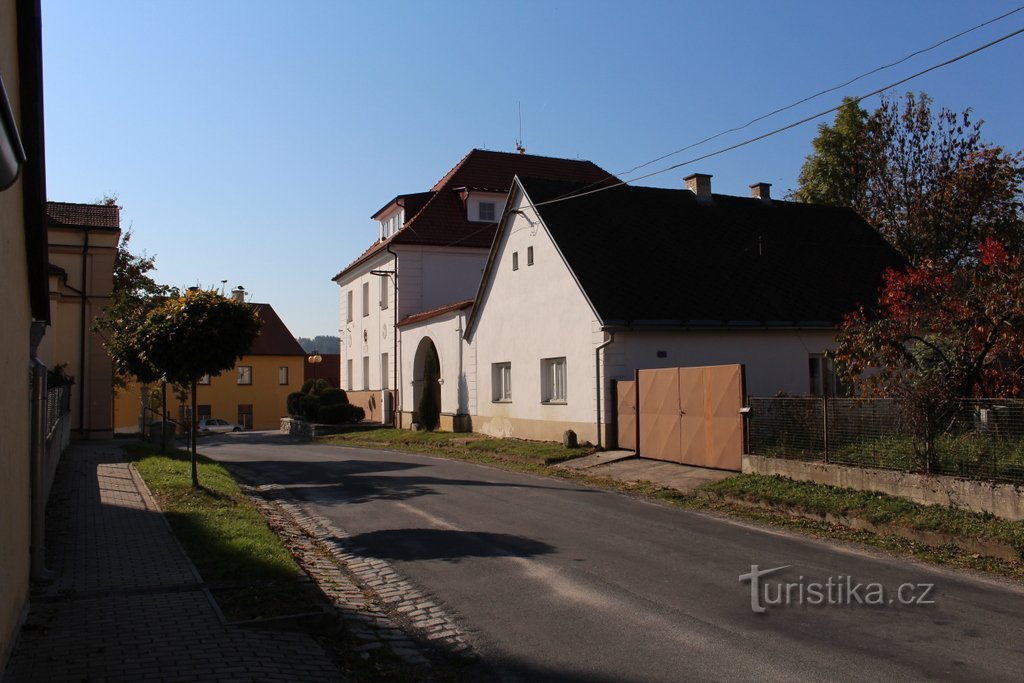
(974, 438)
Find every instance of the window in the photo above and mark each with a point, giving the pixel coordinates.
(203, 412)
(529, 256)
(487, 211)
(366, 372)
(205, 379)
(366, 299)
(823, 378)
(501, 382)
(552, 380)
(383, 293)
(384, 371)
(348, 307)
(348, 374)
(245, 374)
(282, 375)
(515, 260)
(245, 415)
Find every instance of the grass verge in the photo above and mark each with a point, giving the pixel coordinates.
(248, 569)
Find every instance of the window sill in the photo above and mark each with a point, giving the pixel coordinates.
(554, 403)
(501, 400)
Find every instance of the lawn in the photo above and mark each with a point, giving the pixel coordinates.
(243, 561)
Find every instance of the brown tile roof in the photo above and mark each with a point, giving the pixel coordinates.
(442, 221)
(329, 368)
(274, 338)
(659, 257)
(107, 216)
(434, 312)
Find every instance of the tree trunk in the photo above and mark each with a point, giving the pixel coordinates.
(163, 416)
(192, 432)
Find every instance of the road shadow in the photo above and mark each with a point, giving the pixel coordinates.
(441, 544)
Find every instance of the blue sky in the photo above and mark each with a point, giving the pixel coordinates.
(250, 141)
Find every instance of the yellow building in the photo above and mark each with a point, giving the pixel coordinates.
(82, 247)
(253, 393)
(23, 300)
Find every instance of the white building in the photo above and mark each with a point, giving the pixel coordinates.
(430, 251)
(576, 294)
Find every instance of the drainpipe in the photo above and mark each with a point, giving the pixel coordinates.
(81, 336)
(597, 375)
(394, 339)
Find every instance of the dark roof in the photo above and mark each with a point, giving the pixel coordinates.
(442, 220)
(329, 368)
(659, 257)
(83, 215)
(274, 338)
(411, 202)
(434, 312)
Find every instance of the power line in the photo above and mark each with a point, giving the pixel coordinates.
(776, 131)
(811, 97)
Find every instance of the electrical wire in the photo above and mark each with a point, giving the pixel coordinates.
(776, 131)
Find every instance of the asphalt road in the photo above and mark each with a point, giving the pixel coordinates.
(561, 582)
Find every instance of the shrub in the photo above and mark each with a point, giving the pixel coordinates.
(309, 407)
(341, 413)
(333, 397)
(355, 413)
(294, 403)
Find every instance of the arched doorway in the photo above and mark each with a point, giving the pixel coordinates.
(426, 387)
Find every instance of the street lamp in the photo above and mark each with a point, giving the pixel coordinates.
(313, 360)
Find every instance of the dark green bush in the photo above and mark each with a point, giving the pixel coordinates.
(294, 403)
(340, 413)
(333, 397)
(309, 407)
(355, 413)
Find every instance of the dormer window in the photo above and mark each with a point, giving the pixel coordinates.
(390, 225)
(487, 212)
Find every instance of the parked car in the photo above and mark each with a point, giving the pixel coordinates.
(212, 424)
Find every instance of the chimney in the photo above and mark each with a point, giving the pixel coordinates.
(699, 184)
(761, 191)
(238, 294)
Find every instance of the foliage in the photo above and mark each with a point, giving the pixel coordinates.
(134, 294)
(927, 181)
(333, 397)
(294, 403)
(835, 173)
(940, 333)
(315, 386)
(57, 376)
(187, 337)
(322, 343)
(309, 407)
(340, 413)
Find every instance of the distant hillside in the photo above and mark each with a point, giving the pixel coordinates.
(321, 343)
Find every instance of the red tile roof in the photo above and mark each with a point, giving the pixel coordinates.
(442, 220)
(433, 313)
(274, 338)
(84, 215)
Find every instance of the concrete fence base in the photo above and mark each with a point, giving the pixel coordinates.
(1001, 500)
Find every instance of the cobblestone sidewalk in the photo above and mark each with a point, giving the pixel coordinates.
(127, 604)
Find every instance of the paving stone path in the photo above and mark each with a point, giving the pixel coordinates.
(127, 604)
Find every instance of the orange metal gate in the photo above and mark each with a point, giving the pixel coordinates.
(625, 398)
(689, 415)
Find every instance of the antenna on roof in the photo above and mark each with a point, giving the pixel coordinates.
(519, 140)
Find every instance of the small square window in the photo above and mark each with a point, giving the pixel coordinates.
(515, 260)
(245, 374)
(487, 211)
(553, 389)
(529, 256)
(501, 381)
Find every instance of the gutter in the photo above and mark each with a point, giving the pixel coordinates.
(597, 376)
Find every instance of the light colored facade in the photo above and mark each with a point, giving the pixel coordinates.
(83, 242)
(23, 302)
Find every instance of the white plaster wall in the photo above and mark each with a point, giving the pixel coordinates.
(446, 331)
(378, 326)
(527, 315)
(775, 360)
(450, 276)
(473, 204)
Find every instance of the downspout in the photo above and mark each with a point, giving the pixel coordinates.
(597, 375)
(394, 339)
(81, 336)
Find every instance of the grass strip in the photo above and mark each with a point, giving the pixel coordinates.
(250, 572)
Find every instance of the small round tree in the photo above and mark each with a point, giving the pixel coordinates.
(187, 337)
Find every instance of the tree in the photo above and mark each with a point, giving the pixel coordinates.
(929, 182)
(941, 332)
(835, 173)
(188, 337)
